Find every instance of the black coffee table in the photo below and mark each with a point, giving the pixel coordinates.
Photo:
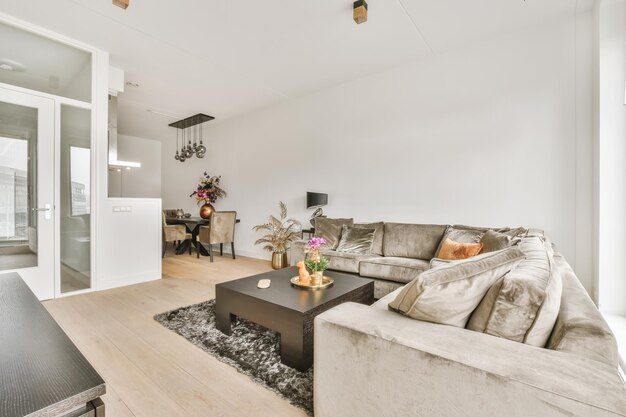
(285, 309)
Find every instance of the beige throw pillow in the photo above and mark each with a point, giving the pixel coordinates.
(379, 230)
(448, 294)
(356, 240)
(524, 305)
(330, 229)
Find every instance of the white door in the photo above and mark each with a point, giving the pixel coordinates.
(27, 189)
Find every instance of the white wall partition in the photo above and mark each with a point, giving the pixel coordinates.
(495, 134)
(612, 157)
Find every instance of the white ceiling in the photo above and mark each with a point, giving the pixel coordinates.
(225, 58)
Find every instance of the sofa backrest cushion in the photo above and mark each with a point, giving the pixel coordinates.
(418, 241)
(580, 328)
(379, 227)
(449, 294)
(524, 305)
(330, 229)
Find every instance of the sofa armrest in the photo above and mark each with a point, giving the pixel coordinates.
(370, 362)
(296, 251)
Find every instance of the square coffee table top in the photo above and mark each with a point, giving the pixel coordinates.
(282, 293)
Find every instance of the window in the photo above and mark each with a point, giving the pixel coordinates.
(80, 189)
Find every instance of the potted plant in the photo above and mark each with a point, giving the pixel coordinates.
(280, 232)
(207, 192)
(315, 261)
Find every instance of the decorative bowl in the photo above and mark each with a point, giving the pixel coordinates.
(187, 215)
(326, 282)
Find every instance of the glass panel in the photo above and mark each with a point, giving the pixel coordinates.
(37, 63)
(18, 186)
(75, 204)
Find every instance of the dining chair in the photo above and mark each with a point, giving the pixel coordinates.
(173, 233)
(170, 212)
(221, 229)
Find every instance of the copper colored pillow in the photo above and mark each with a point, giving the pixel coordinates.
(451, 250)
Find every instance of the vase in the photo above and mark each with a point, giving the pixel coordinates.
(206, 210)
(316, 278)
(279, 260)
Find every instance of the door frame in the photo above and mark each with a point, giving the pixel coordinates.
(36, 276)
(99, 143)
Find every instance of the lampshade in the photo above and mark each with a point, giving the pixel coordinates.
(316, 199)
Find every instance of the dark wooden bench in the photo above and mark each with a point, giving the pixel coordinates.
(42, 373)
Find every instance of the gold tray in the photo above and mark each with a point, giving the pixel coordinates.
(326, 282)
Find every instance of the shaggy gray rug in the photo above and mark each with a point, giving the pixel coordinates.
(253, 350)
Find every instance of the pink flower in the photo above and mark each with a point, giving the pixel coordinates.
(316, 243)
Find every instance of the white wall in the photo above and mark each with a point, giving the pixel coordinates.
(144, 182)
(612, 157)
(486, 135)
(128, 243)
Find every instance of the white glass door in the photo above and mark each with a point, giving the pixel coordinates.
(27, 134)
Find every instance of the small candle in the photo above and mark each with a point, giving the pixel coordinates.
(316, 278)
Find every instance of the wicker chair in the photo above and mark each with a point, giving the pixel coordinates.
(174, 233)
(221, 229)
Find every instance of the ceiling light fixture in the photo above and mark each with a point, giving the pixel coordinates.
(190, 128)
(359, 11)
(121, 3)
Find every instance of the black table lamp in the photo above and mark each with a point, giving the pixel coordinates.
(316, 201)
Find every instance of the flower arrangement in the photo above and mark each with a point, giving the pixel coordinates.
(208, 190)
(314, 259)
(280, 232)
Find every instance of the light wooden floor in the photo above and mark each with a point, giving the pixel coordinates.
(151, 371)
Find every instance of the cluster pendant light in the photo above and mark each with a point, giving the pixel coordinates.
(188, 130)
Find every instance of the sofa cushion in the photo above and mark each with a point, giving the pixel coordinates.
(452, 250)
(524, 305)
(344, 261)
(392, 269)
(379, 227)
(382, 287)
(356, 240)
(580, 328)
(450, 293)
(493, 241)
(412, 240)
(330, 229)
(383, 303)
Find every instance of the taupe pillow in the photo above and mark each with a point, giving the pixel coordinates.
(356, 240)
(330, 229)
(493, 241)
(379, 227)
(448, 294)
(524, 305)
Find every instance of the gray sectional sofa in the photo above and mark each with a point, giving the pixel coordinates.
(371, 361)
(404, 251)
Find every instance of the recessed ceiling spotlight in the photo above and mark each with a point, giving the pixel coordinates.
(121, 3)
(359, 11)
(10, 65)
(132, 84)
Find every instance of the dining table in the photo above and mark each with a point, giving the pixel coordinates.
(193, 225)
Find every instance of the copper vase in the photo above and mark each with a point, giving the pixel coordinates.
(206, 210)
